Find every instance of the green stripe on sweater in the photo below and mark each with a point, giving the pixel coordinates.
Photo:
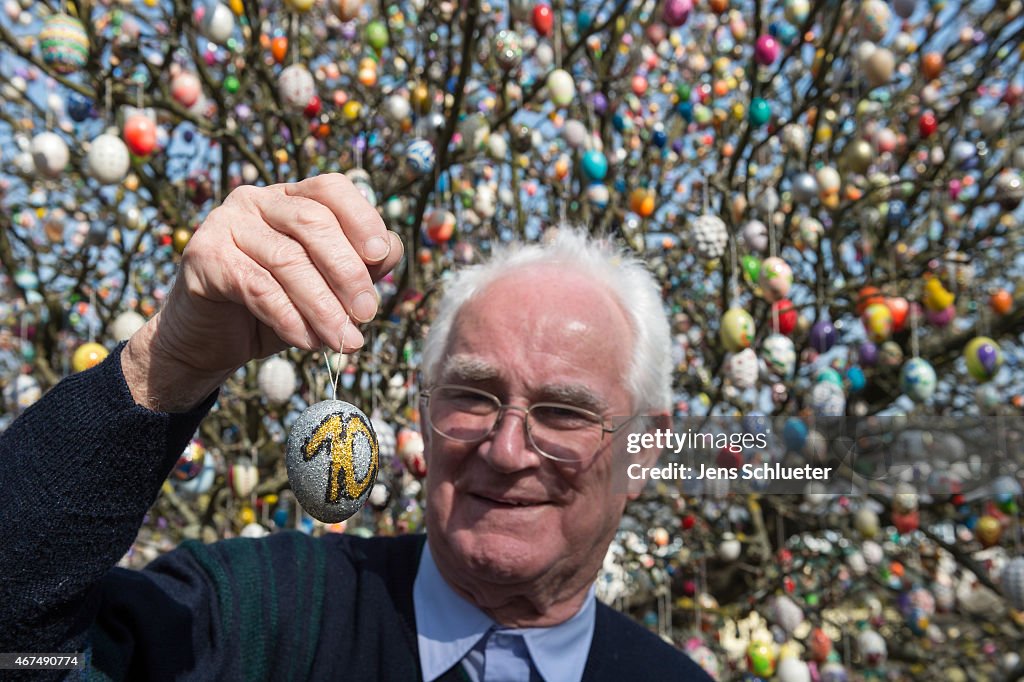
(248, 570)
(222, 583)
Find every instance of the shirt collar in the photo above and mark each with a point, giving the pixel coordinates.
(448, 626)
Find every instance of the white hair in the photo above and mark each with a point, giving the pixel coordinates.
(633, 286)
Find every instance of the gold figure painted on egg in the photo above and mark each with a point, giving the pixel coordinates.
(342, 434)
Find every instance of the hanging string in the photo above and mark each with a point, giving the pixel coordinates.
(333, 378)
(108, 99)
(94, 320)
(915, 349)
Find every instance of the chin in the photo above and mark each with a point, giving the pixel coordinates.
(500, 557)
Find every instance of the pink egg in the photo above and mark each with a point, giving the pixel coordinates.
(766, 50)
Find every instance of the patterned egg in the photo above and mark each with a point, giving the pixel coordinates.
(703, 657)
(809, 232)
(761, 658)
(878, 322)
(420, 156)
(874, 20)
(828, 400)
(50, 154)
(440, 225)
(755, 236)
(333, 460)
(1012, 582)
(786, 614)
(710, 236)
(779, 355)
(64, 43)
(737, 330)
(741, 368)
(833, 671)
(218, 23)
(508, 49)
(890, 355)
(191, 462)
(872, 648)
(917, 380)
(776, 278)
(983, 357)
(387, 442)
(277, 380)
(243, 476)
(22, 393)
(108, 159)
(296, 86)
(561, 87)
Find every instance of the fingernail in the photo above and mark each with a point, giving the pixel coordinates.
(353, 340)
(376, 249)
(364, 308)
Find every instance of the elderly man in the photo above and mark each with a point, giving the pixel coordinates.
(531, 357)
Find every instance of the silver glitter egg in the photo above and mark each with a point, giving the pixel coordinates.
(333, 458)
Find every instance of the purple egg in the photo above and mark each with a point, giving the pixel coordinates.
(766, 50)
(676, 12)
(599, 102)
(942, 317)
(868, 354)
(988, 356)
(823, 336)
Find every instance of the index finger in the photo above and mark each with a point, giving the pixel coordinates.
(363, 226)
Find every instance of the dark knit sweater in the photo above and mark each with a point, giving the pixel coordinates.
(79, 470)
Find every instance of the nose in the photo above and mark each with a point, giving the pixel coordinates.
(508, 448)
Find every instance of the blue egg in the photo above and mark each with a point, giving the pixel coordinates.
(583, 21)
(685, 109)
(619, 122)
(659, 138)
(79, 107)
(794, 434)
(595, 165)
(855, 375)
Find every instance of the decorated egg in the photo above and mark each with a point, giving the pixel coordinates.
(917, 380)
(983, 357)
(761, 658)
(88, 355)
(710, 236)
(108, 159)
(874, 20)
(784, 317)
(410, 451)
(785, 613)
(126, 324)
(823, 336)
(185, 88)
(561, 87)
(21, 393)
(779, 355)
(190, 462)
(872, 647)
(703, 656)
(140, 134)
(595, 165)
(1012, 582)
(776, 278)
(387, 442)
(440, 225)
(218, 23)
(346, 10)
(676, 12)
(833, 671)
(243, 476)
(878, 323)
(796, 11)
(64, 43)
(50, 154)
(741, 368)
(809, 231)
(766, 50)
(792, 669)
(828, 400)
(420, 156)
(737, 330)
(277, 380)
(508, 49)
(296, 86)
(333, 459)
(890, 355)
(755, 236)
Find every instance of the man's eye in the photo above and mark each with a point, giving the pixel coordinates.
(563, 417)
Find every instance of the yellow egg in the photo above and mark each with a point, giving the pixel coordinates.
(88, 355)
(180, 238)
(236, 6)
(351, 110)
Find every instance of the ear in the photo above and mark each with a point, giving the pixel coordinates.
(647, 457)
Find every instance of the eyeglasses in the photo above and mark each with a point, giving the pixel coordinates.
(564, 433)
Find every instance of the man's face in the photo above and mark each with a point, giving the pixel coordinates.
(502, 519)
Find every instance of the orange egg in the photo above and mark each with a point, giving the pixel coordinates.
(279, 48)
(931, 65)
(867, 296)
(719, 6)
(641, 202)
(1001, 302)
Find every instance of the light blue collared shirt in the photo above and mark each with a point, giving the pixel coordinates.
(449, 629)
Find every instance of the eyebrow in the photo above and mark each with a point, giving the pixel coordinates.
(576, 395)
(468, 368)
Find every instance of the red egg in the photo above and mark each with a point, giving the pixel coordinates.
(313, 108)
(783, 316)
(140, 134)
(543, 19)
(927, 124)
(900, 308)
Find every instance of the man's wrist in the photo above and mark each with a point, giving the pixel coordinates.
(158, 380)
